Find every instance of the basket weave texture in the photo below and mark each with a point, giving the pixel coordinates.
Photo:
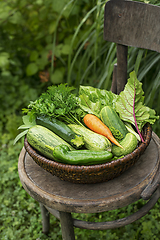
(93, 173)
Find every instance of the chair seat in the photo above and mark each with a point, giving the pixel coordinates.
(89, 198)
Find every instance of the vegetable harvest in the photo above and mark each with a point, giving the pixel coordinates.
(92, 140)
(39, 136)
(62, 130)
(94, 127)
(62, 153)
(129, 143)
(111, 119)
(129, 104)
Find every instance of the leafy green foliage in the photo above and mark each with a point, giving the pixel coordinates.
(130, 105)
(30, 59)
(92, 100)
(44, 43)
(57, 101)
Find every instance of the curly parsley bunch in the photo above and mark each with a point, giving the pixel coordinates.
(58, 102)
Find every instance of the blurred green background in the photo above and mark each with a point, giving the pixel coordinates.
(46, 42)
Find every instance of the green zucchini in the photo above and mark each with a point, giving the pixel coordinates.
(129, 143)
(63, 154)
(93, 141)
(38, 137)
(111, 119)
(62, 130)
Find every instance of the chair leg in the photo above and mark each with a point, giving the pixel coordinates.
(67, 226)
(45, 218)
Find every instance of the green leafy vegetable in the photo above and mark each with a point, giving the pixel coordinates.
(92, 100)
(130, 105)
(58, 102)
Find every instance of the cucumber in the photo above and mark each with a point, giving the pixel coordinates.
(38, 137)
(111, 119)
(80, 157)
(93, 141)
(129, 143)
(62, 130)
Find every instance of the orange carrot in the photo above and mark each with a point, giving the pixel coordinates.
(96, 125)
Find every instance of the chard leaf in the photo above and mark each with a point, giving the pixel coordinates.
(130, 105)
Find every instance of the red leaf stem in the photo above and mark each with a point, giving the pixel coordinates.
(134, 115)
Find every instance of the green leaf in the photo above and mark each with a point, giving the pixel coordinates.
(57, 76)
(5, 11)
(27, 124)
(4, 59)
(57, 101)
(130, 104)
(19, 136)
(24, 127)
(39, 2)
(66, 49)
(52, 27)
(58, 5)
(92, 100)
(34, 55)
(26, 121)
(16, 18)
(31, 69)
(89, 106)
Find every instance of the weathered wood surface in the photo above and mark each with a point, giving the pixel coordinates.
(115, 223)
(122, 52)
(67, 226)
(132, 24)
(89, 198)
(45, 219)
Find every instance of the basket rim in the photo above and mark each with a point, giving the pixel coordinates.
(147, 131)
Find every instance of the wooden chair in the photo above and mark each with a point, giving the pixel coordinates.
(129, 23)
(126, 23)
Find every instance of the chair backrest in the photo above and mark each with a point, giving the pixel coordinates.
(130, 23)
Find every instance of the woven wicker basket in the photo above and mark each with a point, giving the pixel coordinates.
(93, 173)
